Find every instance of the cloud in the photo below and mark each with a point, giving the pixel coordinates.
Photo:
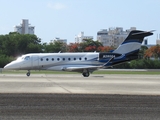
(56, 6)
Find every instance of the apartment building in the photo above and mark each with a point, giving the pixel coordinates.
(24, 27)
(80, 37)
(113, 36)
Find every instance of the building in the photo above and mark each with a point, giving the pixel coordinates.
(158, 39)
(113, 36)
(60, 40)
(151, 45)
(80, 37)
(24, 27)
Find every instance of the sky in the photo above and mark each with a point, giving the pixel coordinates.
(67, 18)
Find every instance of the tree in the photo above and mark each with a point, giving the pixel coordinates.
(56, 46)
(4, 60)
(142, 52)
(104, 48)
(73, 47)
(88, 46)
(34, 48)
(153, 52)
(91, 46)
(15, 44)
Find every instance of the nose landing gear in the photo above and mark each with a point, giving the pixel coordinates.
(28, 73)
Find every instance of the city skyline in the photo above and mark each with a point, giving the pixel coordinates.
(65, 19)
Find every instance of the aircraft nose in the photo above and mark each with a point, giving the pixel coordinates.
(11, 66)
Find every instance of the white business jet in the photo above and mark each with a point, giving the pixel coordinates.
(85, 62)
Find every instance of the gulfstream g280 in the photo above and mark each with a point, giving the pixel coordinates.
(85, 62)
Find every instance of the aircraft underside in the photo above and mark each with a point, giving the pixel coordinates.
(85, 72)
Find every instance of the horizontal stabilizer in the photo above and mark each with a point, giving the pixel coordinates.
(144, 32)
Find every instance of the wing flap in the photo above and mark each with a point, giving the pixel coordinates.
(81, 68)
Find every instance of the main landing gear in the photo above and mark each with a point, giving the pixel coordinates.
(86, 73)
(28, 73)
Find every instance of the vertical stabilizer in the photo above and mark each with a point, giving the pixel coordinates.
(132, 42)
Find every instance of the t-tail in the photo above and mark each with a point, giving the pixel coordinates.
(128, 50)
(133, 42)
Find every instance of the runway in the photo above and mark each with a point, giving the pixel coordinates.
(73, 97)
(76, 84)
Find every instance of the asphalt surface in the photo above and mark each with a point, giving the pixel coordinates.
(72, 97)
(78, 107)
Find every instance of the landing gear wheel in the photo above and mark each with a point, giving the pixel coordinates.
(28, 73)
(85, 74)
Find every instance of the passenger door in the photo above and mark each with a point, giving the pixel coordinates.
(35, 62)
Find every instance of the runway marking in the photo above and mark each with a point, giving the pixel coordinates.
(58, 85)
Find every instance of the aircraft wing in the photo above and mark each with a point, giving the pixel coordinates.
(80, 68)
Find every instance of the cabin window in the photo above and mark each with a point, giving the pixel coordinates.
(74, 58)
(47, 59)
(58, 59)
(52, 59)
(85, 58)
(80, 58)
(69, 59)
(63, 59)
(41, 59)
(27, 58)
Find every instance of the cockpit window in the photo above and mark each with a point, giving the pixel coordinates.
(27, 58)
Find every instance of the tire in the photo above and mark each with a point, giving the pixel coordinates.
(86, 74)
(28, 74)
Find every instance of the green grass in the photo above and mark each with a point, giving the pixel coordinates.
(128, 72)
(95, 72)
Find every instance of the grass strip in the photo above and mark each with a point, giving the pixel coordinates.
(95, 72)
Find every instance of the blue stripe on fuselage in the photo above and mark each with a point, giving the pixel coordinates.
(119, 59)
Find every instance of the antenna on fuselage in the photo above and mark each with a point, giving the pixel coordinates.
(59, 52)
